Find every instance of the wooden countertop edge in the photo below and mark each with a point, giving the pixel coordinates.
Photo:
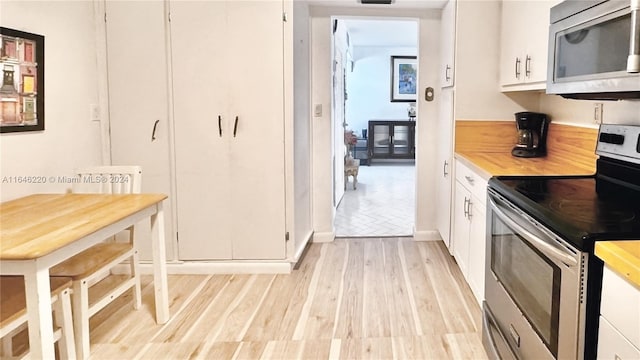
(463, 158)
(623, 257)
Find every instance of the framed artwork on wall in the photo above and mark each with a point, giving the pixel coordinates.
(404, 78)
(22, 86)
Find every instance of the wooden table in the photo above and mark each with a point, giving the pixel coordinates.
(40, 231)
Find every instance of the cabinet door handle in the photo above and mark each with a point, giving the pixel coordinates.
(235, 126)
(469, 206)
(466, 207)
(153, 132)
(220, 125)
(446, 73)
(517, 68)
(633, 60)
(527, 66)
(444, 168)
(469, 179)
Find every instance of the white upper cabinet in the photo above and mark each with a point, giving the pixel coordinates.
(523, 55)
(447, 65)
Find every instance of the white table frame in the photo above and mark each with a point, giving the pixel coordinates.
(36, 275)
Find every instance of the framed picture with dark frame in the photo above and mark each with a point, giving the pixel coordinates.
(404, 78)
(22, 86)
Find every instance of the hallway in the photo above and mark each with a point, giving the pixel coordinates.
(382, 205)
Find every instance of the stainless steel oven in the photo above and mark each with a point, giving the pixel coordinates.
(594, 49)
(535, 284)
(543, 280)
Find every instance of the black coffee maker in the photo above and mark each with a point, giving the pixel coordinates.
(532, 135)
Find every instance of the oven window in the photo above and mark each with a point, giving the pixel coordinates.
(532, 281)
(575, 49)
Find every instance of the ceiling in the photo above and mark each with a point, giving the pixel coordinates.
(397, 4)
(379, 32)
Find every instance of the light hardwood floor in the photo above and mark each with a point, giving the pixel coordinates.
(353, 298)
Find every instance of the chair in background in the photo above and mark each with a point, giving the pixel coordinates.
(91, 270)
(13, 316)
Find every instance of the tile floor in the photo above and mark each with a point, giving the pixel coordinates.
(383, 204)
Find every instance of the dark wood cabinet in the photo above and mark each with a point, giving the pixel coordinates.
(389, 139)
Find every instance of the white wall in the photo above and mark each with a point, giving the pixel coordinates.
(427, 128)
(70, 140)
(322, 151)
(580, 112)
(369, 96)
(302, 123)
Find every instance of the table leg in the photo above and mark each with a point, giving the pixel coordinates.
(38, 295)
(160, 284)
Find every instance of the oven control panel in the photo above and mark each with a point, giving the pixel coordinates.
(621, 142)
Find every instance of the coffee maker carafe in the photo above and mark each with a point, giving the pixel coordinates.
(532, 135)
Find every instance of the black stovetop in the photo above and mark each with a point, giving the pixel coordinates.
(580, 209)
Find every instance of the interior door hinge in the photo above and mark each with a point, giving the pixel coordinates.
(169, 17)
(105, 16)
(286, 236)
(284, 16)
(177, 237)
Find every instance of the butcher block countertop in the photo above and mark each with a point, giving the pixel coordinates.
(622, 257)
(485, 146)
(494, 164)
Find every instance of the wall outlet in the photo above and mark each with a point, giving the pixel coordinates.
(598, 112)
(94, 112)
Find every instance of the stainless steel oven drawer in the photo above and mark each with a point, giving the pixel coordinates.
(514, 327)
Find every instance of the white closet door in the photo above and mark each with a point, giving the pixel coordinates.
(200, 85)
(138, 99)
(256, 96)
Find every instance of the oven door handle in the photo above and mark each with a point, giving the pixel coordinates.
(548, 249)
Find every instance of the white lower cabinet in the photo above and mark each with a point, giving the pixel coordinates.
(469, 227)
(619, 332)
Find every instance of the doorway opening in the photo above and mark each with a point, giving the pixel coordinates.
(374, 87)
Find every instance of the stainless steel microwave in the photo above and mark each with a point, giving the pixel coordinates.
(594, 49)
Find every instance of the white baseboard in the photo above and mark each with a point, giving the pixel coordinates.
(302, 247)
(215, 267)
(430, 235)
(323, 237)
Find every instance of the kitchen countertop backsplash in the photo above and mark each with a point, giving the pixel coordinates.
(486, 147)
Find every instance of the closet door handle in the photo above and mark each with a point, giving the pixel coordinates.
(220, 125)
(235, 127)
(153, 133)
